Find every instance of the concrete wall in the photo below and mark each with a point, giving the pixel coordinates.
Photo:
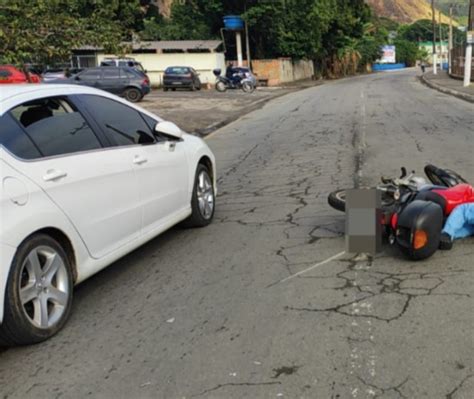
(283, 70)
(303, 70)
(155, 64)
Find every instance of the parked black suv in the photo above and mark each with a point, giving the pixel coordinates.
(124, 81)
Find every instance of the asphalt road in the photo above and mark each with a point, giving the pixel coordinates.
(211, 313)
(202, 112)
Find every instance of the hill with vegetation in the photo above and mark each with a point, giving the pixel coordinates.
(408, 11)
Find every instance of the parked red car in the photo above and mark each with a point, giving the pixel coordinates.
(10, 74)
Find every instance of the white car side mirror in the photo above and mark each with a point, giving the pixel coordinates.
(168, 129)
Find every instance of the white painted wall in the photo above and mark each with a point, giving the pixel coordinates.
(155, 64)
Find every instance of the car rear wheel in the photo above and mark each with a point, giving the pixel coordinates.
(133, 95)
(38, 293)
(203, 200)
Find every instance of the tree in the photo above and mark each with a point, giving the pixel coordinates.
(422, 30)
(370, 44)
(321, 30)
(188, 22)
(46, 31)
(407, 52)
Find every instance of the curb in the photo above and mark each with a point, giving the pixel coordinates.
(455, 93)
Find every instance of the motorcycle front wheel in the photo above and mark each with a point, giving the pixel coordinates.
(221, 87)
(248, 87)
(337, 200)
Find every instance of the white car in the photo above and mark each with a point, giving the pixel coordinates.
(86, 177)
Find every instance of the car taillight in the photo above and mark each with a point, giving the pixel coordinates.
(146, 82)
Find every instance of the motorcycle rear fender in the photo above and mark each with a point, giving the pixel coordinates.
(423, 216)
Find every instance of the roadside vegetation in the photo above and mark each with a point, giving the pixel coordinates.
(341, 37)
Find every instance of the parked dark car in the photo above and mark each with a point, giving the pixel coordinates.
(181, 77)
(123, 81)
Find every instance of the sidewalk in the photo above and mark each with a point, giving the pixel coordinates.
(442, 82)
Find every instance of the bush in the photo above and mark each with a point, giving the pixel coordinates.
(407, 52)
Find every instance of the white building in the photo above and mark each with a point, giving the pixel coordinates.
(203, 55)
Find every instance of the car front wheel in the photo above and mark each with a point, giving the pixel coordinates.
(38, 294)
(203, 200)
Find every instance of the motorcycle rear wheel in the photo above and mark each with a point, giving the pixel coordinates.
(443, 177)
(221, 87)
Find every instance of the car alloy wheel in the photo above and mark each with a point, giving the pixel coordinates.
(205, 195)
(44, 287)
(39, 292)
(203, 200)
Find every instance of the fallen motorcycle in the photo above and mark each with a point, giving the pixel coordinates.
(414, 211)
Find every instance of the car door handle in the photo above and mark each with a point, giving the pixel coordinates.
(138, 160)
(53, 175)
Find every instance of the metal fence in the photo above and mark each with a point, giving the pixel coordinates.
(459, 60)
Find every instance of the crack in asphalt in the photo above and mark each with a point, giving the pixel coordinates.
(451, 395)
(383, 391)
(407, 285)
(236, 384)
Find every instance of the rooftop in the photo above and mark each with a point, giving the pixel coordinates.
(180, 46)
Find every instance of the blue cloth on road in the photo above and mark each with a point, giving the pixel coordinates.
(460, 223)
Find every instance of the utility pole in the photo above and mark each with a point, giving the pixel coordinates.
(450, 43)
(441, 56)
(247, 39)
(435, 71)
(470, 42)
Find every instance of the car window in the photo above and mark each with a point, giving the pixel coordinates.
(55, 127)
(177, 70)
(122, 125)
(15, 140)
(112, 73)
(132, 73)
(5, 73)
(139, 67)
(129, 74)
(123, 63)
(91, 74)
